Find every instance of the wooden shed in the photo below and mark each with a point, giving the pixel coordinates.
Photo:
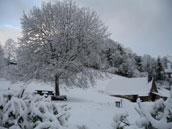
(132, 88)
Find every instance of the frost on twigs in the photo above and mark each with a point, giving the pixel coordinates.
(159, 116)
(32, 112)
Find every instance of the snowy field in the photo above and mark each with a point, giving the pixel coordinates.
(89, 107)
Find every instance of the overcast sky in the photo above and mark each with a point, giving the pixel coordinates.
(145, 26)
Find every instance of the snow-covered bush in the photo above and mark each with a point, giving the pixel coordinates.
(31, 111)
(120, 121)
(15, 113)
(45, 114)
(12, 109)
(158, 117)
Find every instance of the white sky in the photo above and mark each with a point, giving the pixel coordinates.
(145, 26)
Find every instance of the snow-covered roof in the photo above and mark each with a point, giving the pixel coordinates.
(163, 92)
(128, 86)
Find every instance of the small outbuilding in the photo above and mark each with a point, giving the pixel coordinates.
(132, 88)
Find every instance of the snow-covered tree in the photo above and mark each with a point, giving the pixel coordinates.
(164, 61)
(120, 60)
(138, 60)
(109, 52)
(1, 58)
(61, 41)
(159, 70)
(127, 68)
(10, 51)
(149, 65)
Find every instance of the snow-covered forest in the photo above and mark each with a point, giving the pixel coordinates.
(67, 49)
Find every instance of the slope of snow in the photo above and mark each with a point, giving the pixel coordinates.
(128, 86)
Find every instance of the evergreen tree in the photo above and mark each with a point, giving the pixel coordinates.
(159, 70)
(109, 57)
(138, 60)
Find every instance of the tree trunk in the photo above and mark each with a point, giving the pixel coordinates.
(57, 91)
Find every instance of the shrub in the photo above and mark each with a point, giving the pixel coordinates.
(31, 111)
(158, 117)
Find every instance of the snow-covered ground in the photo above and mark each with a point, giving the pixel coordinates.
(90, 107)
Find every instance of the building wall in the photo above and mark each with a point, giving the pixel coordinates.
(145, 98)
(132, 98)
